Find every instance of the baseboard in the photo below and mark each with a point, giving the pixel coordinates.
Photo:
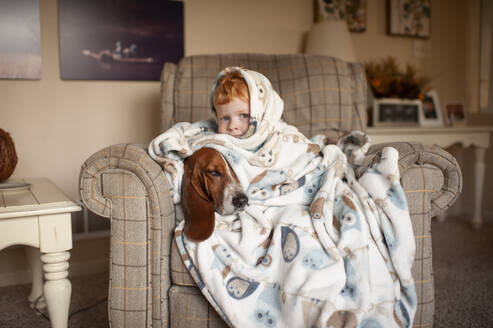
(76, 269)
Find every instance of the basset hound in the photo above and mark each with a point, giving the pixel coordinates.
(209, 184)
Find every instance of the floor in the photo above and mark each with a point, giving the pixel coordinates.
(463, 270)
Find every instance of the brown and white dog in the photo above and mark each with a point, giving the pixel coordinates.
(209, 184)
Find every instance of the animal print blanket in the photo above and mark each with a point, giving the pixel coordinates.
(318, 245)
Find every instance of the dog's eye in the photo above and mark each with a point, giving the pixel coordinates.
(214, 173)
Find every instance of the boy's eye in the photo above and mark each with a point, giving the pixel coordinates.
(225, 118)
(245, 116)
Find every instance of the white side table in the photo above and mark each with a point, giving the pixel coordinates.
(477, 137)
(40, 217)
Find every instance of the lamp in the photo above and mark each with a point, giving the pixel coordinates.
(331, 38)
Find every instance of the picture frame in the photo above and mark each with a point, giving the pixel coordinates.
(353, 11)
(456, 113)
(388, 112)
(431, 114)
(356, 15)
(119, 40)
(410, 18)
(20, 47)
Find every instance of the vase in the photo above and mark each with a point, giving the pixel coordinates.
(8, 156)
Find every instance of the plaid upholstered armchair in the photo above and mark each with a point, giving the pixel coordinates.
(148, 283)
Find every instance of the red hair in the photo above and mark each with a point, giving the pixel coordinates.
(229, 86)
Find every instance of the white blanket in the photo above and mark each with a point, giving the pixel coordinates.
(315, 247)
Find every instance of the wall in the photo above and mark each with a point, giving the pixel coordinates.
(223, 26)
(58, 124)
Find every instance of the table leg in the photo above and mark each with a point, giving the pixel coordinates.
(36, 298)
(57, 288)
(479, 168)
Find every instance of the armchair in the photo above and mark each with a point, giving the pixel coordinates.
(149, 284)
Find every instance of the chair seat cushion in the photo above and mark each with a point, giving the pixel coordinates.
(179, 273)
(189, 309)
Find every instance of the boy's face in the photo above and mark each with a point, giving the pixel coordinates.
(233, 118)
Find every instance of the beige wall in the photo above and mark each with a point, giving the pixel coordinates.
(222, 26)
(57, 124)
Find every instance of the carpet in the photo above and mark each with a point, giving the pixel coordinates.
(87, 291)
(463, 271)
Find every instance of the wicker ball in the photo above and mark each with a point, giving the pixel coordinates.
(8, 156)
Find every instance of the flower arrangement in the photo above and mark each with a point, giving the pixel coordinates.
(387, 80)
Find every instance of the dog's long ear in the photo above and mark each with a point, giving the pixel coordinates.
(198, 210)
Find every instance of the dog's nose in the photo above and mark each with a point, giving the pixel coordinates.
(240, 200)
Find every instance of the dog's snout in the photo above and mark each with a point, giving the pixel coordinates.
(240, 201)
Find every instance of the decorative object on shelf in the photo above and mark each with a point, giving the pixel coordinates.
(431, 115)
(396, 112)
(398, 93)
(409, 18)
(8, 156)
(353, 11)
(20, 40)
(387, 80)
(456, 114)
(119, 40)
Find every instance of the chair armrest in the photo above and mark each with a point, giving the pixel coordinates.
(123, 183)
(130, 160)
(424, 169)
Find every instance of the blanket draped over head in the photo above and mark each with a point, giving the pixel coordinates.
(318, 245)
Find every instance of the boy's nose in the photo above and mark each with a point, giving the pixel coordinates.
(233, 124)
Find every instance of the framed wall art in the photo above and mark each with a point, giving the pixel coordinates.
(410, 18)
(396, 112)
(356, 15)
(20, 40)
(119, 40)
(353, 11)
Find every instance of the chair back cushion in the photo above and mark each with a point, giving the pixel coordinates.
(322, 95)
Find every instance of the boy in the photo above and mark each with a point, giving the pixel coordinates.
(232, 104)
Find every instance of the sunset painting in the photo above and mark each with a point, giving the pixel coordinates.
(119, 40)
(20, 56)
